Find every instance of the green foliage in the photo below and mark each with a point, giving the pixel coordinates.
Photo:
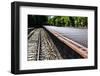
(68, 21)
(61, 21)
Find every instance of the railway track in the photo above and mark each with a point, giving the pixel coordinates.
(33, 45)
(49, 50)
(41, 47)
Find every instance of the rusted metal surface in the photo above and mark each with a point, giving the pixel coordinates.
(83, 51)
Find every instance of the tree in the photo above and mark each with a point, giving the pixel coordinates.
(72, 21)
(61, 21)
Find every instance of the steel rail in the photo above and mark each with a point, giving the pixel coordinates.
(38, 46)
